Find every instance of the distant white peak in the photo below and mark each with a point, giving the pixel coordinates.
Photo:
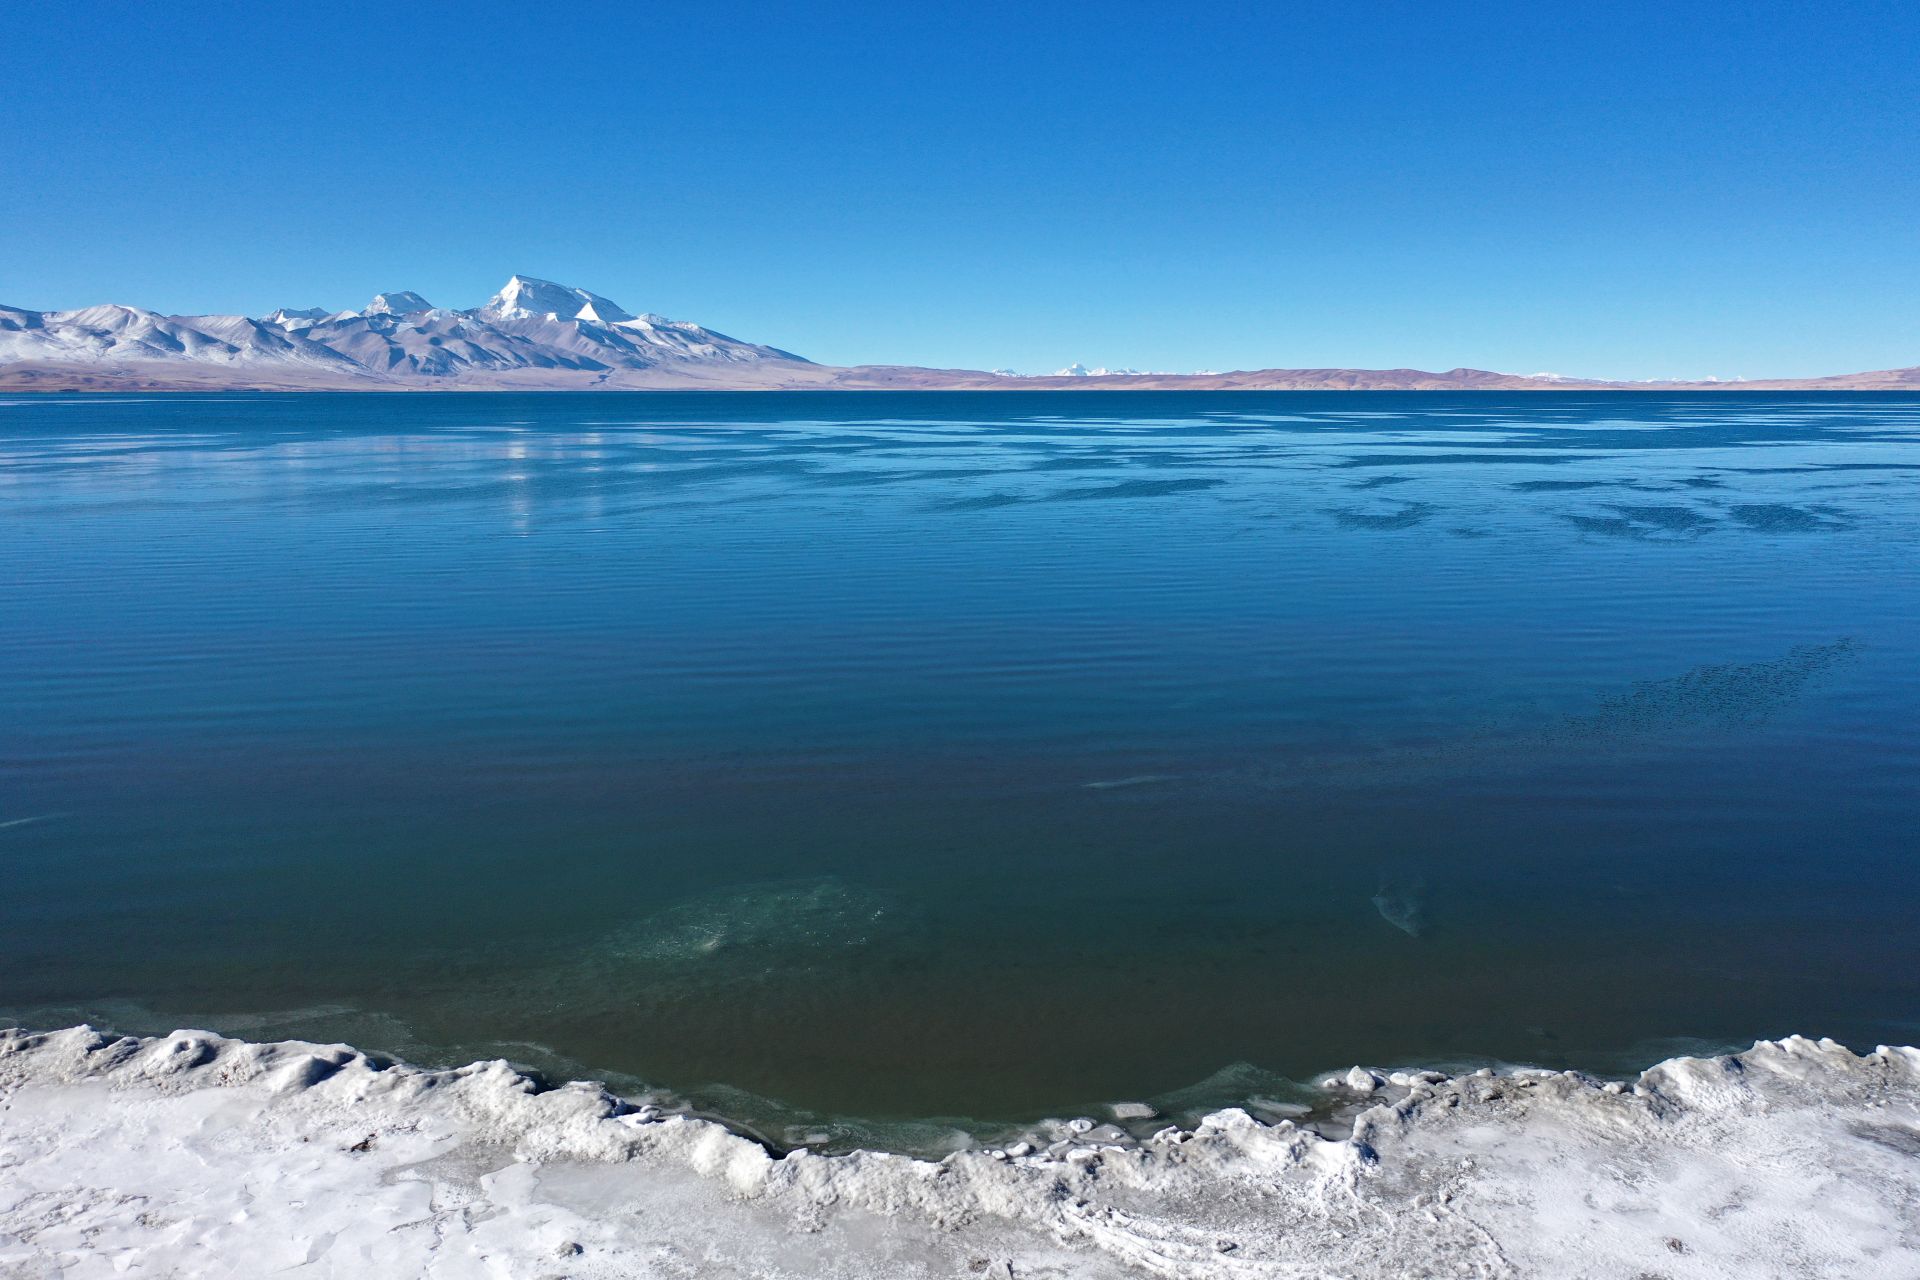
(525, 297)
(296, 317)
(1078, 370)
(403, 303)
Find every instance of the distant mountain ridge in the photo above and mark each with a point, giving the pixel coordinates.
(537, 335)
(531, 332)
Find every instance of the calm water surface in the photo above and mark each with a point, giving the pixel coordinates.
(846, 762)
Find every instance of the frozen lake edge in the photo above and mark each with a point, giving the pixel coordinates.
(194, 1154)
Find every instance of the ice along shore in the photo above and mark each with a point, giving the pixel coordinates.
(193, 1154)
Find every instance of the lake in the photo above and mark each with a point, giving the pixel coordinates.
(883, 768)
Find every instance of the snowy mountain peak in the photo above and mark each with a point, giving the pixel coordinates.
(524, 297)
(404, 302)
(533, 333)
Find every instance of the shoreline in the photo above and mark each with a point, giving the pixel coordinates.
(198, 1152)
(1840, 385)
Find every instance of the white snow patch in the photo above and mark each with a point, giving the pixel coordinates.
(192, 1154)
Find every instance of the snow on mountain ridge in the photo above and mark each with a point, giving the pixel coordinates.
(527, 297)
(19, 319)
(404, 302)
(529, 325)
(296, 317)
(111, 316)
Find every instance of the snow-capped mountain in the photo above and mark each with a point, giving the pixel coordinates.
(524, 299)
(532, 332)
(535, 335)
(403, 303)
(1078, 370)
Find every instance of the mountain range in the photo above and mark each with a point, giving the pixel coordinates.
(537, 335)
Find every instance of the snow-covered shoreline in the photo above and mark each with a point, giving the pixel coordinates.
(197, 1155)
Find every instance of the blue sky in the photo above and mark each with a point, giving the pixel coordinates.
(1617, 190)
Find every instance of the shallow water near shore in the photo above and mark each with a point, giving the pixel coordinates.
(876, 768)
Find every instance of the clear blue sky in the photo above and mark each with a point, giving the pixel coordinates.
(1608, 189)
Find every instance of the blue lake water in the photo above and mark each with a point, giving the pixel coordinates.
(859, 764)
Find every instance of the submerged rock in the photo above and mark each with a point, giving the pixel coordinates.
(824, 914)
(1401, 903)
